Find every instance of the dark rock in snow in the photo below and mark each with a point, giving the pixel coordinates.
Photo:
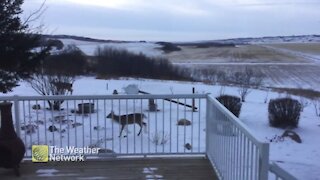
(52, 128)
(188, 146)
(184, 122)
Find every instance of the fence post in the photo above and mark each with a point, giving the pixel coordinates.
(193, 102)
(17, 114)
(264, 161)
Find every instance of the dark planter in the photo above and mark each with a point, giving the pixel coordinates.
(86, 108)
(12, 148)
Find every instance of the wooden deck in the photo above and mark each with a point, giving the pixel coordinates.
(138, 169)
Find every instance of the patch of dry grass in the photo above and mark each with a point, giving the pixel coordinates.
(308, 93)
(244, 53)
(313, 48)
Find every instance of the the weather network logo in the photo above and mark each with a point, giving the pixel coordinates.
(40, 153)
(45, 153)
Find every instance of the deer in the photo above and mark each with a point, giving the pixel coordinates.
(123, 120)
(63, 86)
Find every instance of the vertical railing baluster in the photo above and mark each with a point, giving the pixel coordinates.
(252, 161)
(105, 124)
(235, 155)
(170, 119)
(98, 124)
(68, 122)
(75, 123)
(45, 122)
(238, 153)
(112, 126)
(224, 146)
(199, 122)
(37, 122)
(52, 123)
(228, 138)
(60, 123)
(248, 159)
(127, 125)
(148, 125)
(184, 127)
(257, 162)
(142, 133)
(82, 114)
(192, 125)
(241, 158)
(29, 122)
(90, 122)
(24, 121)
(232, 149)
(163, 126)
(134, 127)
(156, 133)
(177, 126)
(120, 139)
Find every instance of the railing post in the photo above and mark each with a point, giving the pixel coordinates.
(17, 114)
(207, 124)
(264, 161)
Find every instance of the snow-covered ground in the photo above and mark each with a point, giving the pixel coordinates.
(302, 160)
(89, 48)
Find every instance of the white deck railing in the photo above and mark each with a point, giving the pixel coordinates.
(232, 149)
(215, 132)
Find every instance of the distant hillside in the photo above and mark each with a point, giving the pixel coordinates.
(222, 42)
(81, 38)
(271, 39)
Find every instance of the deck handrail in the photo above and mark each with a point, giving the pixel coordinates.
(98, 97)
(280, 173)
(233, 150)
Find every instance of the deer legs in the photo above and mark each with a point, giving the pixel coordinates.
(122, 127)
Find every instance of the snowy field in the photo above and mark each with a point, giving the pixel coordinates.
(302, 160)
(286, 65)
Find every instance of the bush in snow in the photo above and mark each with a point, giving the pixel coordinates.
(232, 103)
(284, 112)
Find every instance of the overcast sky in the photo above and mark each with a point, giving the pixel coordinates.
(178, 20)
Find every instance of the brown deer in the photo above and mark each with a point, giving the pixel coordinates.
(63, 86)
(123, 120)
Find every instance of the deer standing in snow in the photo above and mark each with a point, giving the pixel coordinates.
(123, 120)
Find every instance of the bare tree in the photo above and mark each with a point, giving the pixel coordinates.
(46, 84)
(304, 102)
(246, 80)
(316, 105)
(57, 74)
